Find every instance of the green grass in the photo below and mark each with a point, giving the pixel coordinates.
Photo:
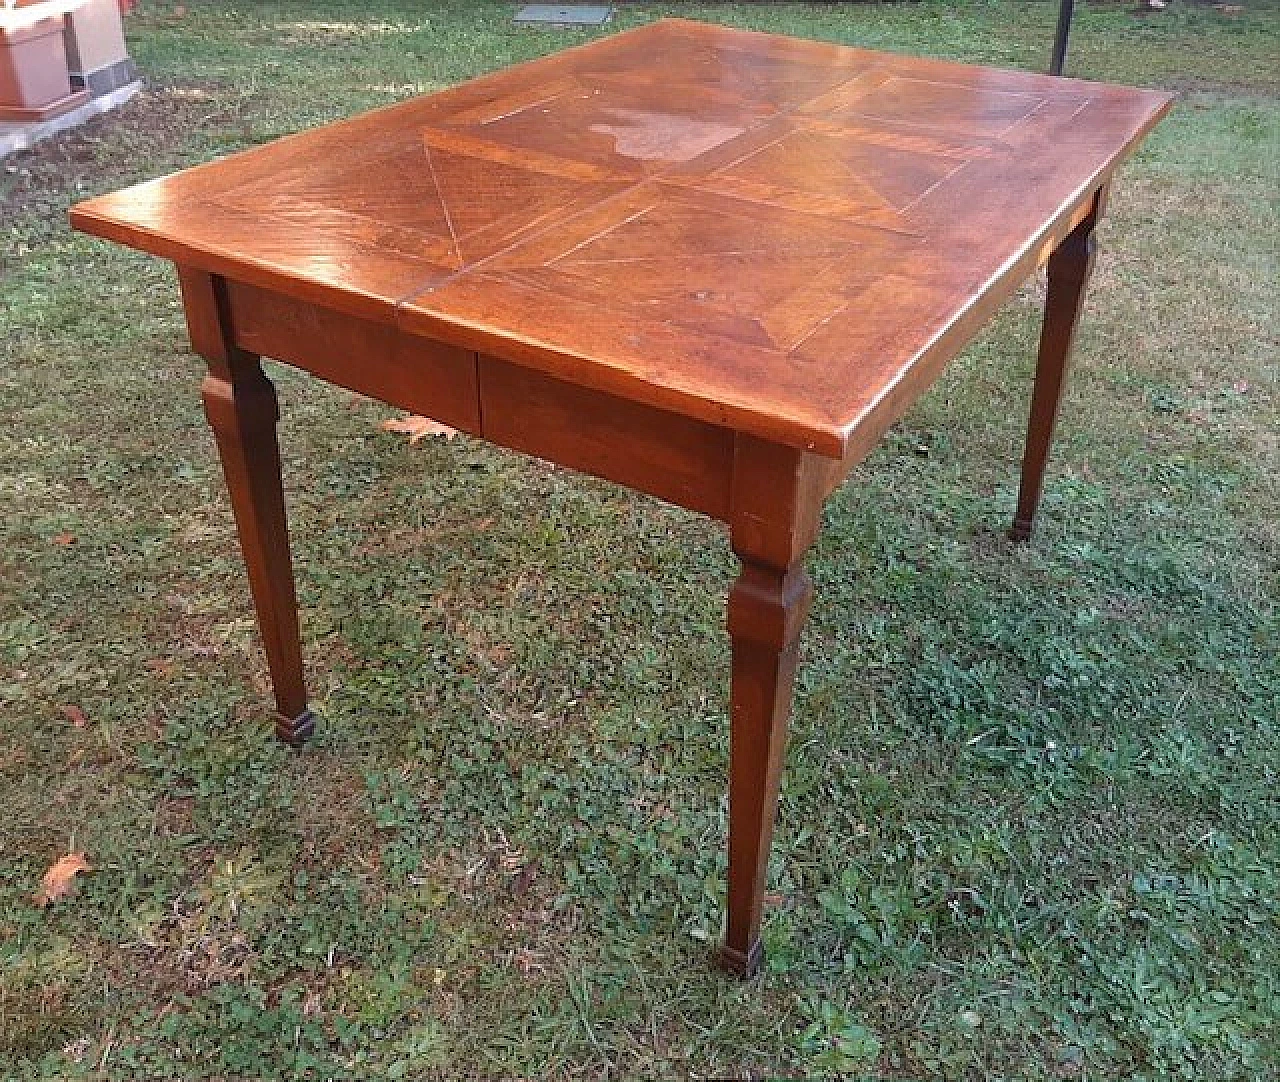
(1029, 826)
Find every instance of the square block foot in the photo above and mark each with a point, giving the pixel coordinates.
(296, 731)
(743, 965)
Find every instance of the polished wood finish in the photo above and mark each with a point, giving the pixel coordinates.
(767, 608)
(676, 458)
(708, 264)
(776, 503)
(1069, 270)
(240, 403)
(753, 231)
(362, 355)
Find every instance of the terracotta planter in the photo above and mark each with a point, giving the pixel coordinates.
(34, 81)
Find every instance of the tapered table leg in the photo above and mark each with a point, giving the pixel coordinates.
(777, 497)
(1069, 269)
(766, 612)
(240, 403)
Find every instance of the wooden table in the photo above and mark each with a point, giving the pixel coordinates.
(708, 264)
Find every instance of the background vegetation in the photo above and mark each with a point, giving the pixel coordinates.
(1029, 826)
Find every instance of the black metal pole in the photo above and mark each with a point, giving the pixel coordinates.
(1060, 38)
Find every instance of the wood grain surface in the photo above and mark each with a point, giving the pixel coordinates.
(760, 232)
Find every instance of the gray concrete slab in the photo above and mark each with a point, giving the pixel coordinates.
(564, 14)
(15, 137)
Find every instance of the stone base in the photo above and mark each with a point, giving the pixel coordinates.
(105, 80)
(20, 136)
(35, 114)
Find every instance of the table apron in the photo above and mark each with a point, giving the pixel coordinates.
(676, 458)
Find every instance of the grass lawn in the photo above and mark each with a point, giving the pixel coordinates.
(1029, 826)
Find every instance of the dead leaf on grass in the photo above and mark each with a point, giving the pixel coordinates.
(74, 715)
(64, 539)
(59, 880)
(416, 427)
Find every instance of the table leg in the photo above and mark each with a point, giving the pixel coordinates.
(766, 612)
(776, 502)
(1069, 269)
(241, 406)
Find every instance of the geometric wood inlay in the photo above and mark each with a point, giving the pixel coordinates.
(755, 231)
